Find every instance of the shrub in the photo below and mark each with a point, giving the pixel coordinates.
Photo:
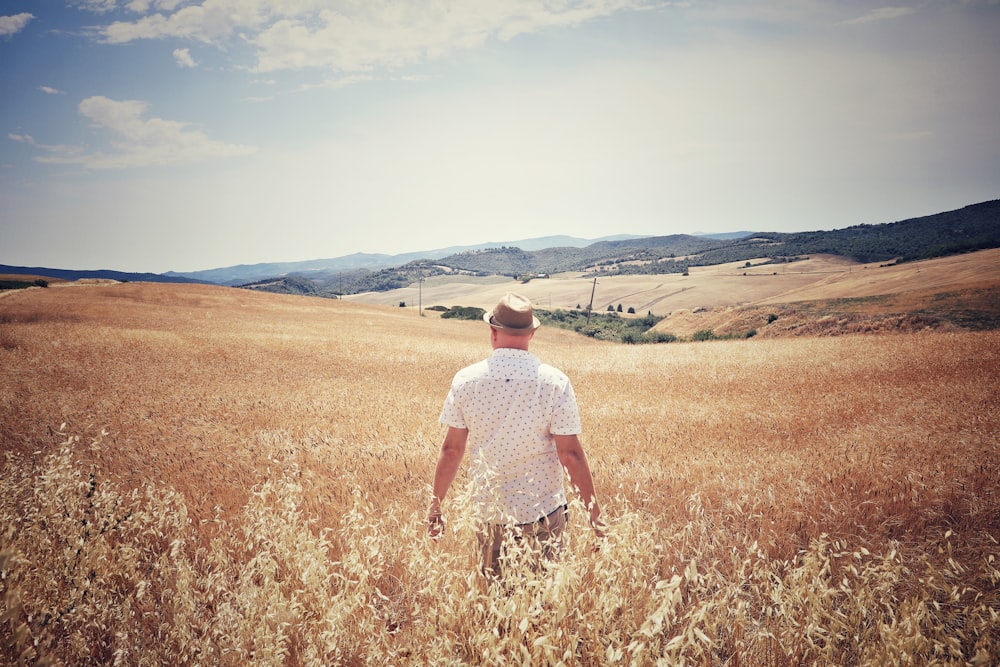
(703, 334)
(14, 284)
(663, 337)
(464, 313)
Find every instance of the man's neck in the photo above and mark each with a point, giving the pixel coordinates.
(501, 340)
(505, 347)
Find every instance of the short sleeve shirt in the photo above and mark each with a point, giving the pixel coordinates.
(512, 405)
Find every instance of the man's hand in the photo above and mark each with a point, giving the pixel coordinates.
(600, 532)
(452, 451)
(435, 525)
(599, 528)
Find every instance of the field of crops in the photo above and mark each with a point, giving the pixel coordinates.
(203, 475)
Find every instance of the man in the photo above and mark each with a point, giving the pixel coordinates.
(519, 419)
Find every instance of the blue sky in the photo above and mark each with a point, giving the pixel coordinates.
(157, 135)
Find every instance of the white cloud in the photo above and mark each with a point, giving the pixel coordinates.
(211, 21)
(10, 25)
(143, 6)
(391, 35)
(183, 58)
(348, 36)
(881, 14)
(139, 141)
(336, 82)
(99, 6)
(49, 90)
(56, 149)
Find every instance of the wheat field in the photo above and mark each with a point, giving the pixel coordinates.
(203, 475)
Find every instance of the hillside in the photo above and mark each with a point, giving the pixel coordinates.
(971, 228)
(958, 291)
(513, 261)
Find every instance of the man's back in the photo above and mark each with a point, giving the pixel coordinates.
(521, 420)
(512, 404)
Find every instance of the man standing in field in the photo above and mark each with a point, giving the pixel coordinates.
(519, 419)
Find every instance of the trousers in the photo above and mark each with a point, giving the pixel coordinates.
(536, 542)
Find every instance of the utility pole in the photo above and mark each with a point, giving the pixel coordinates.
(590, 306)
(420, 297)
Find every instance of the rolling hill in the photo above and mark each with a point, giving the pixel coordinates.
(659, 274)
(973, 227)
(956, 291)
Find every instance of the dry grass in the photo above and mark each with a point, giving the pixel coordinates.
(211, 476)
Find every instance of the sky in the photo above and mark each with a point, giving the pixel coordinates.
(183, 135)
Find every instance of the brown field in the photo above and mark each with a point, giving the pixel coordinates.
(203, 475)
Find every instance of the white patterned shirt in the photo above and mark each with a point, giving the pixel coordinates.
(512, 405)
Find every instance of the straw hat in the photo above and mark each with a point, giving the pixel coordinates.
(513, 314)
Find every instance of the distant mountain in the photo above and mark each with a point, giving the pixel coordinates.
(974, 227)
(543, 242)
(726, 235)
(515, 261)
(971, 228)
(102, 274)
(246, 273)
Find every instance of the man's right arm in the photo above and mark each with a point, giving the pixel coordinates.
(452, 451)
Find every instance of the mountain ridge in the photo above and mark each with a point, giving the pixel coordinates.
(972, 227)
(95, 274)
(245, 273)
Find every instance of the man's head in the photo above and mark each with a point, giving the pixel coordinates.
(514, 315)
(512, 321)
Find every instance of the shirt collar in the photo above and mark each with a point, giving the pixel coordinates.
(512, 353)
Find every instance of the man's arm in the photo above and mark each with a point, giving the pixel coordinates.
(574, 460)
(452, 451)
